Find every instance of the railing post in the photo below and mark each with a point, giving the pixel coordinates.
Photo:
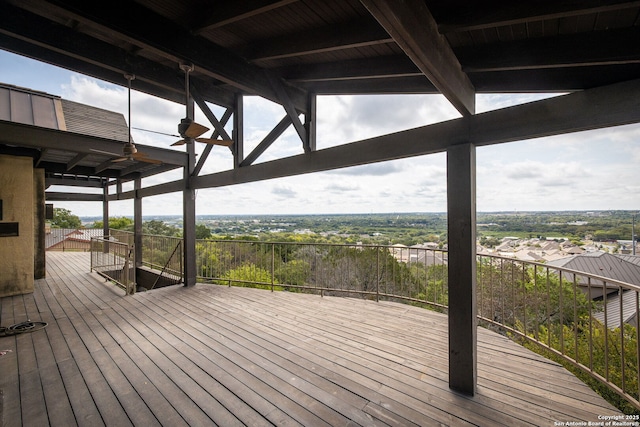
(273, 264)
(378, 274)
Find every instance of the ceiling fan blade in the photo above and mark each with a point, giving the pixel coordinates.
(141, 157)
(223, 142)
(181, 142)
(120, 159)
(195, 130)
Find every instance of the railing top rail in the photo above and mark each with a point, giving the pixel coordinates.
(346, 245)
(107, 239)
(606, 280)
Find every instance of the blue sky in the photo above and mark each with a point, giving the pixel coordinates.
(595, 170)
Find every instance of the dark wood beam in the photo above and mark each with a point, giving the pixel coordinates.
(393, 85)
(70, 182)
(69, 48)
(267, 141)
(471, 16)
(364, 32)
(610, 47)
(37, 137)
(355, 69)
(222, 14)
(614, 105)
(207, 150)
(76, 160)
(56, 196)
(165, 38)
(283, 94)
(414, 29)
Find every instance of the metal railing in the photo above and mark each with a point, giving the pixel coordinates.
(585, 320)
(114, 261)
(588, 321)
(163, 254)
(373, 271)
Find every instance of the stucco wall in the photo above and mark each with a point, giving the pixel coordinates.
(17, 252)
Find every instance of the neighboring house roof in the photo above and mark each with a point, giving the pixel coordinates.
(634, 259)
(88, 120)
(58, 235)
(602, 264)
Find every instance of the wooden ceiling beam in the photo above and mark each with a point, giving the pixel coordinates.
(363, 32)
(597, 108)
(22, 135)
(222, 14)
(611, 47)
(122, 20)
(354, 69)
(478, 16)
(415, 30)
(31, 35)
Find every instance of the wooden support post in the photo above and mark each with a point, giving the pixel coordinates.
(238, 131)
(461, 220)
(189, 212)
(137, 221)
(105, 209)
(310, 123)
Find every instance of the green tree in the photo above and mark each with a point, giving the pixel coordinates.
(250, 275)
(159, 228)
(117, 223)
(202, 231)
(63, 218)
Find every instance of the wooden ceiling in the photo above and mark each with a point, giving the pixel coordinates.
(455, 47)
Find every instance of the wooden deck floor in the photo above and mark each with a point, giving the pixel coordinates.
(213, 355)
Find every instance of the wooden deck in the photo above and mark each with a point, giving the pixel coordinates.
(213, 355)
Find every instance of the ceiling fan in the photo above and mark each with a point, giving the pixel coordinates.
(188, 129)
(129, 150)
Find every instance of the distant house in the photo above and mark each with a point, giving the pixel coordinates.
(624, 268)
(70, 239)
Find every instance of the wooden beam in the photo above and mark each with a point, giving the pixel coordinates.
(349, 35)
(611, 47)
(267, 141)
(238, 131)
(414, 29)
(310, 121)
(477, 16)
(207, 150)
(225, 13)
(90, 183)
(63, 46)
(76, 160)
(165, 38)
(58, 196)
(461, 232)
(218, 127)
(354, 69)
(281, 90)
(22, 135)
(597, 108)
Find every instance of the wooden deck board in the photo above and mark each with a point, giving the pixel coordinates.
(213, 355)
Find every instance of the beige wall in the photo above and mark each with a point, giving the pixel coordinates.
(17, 252)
